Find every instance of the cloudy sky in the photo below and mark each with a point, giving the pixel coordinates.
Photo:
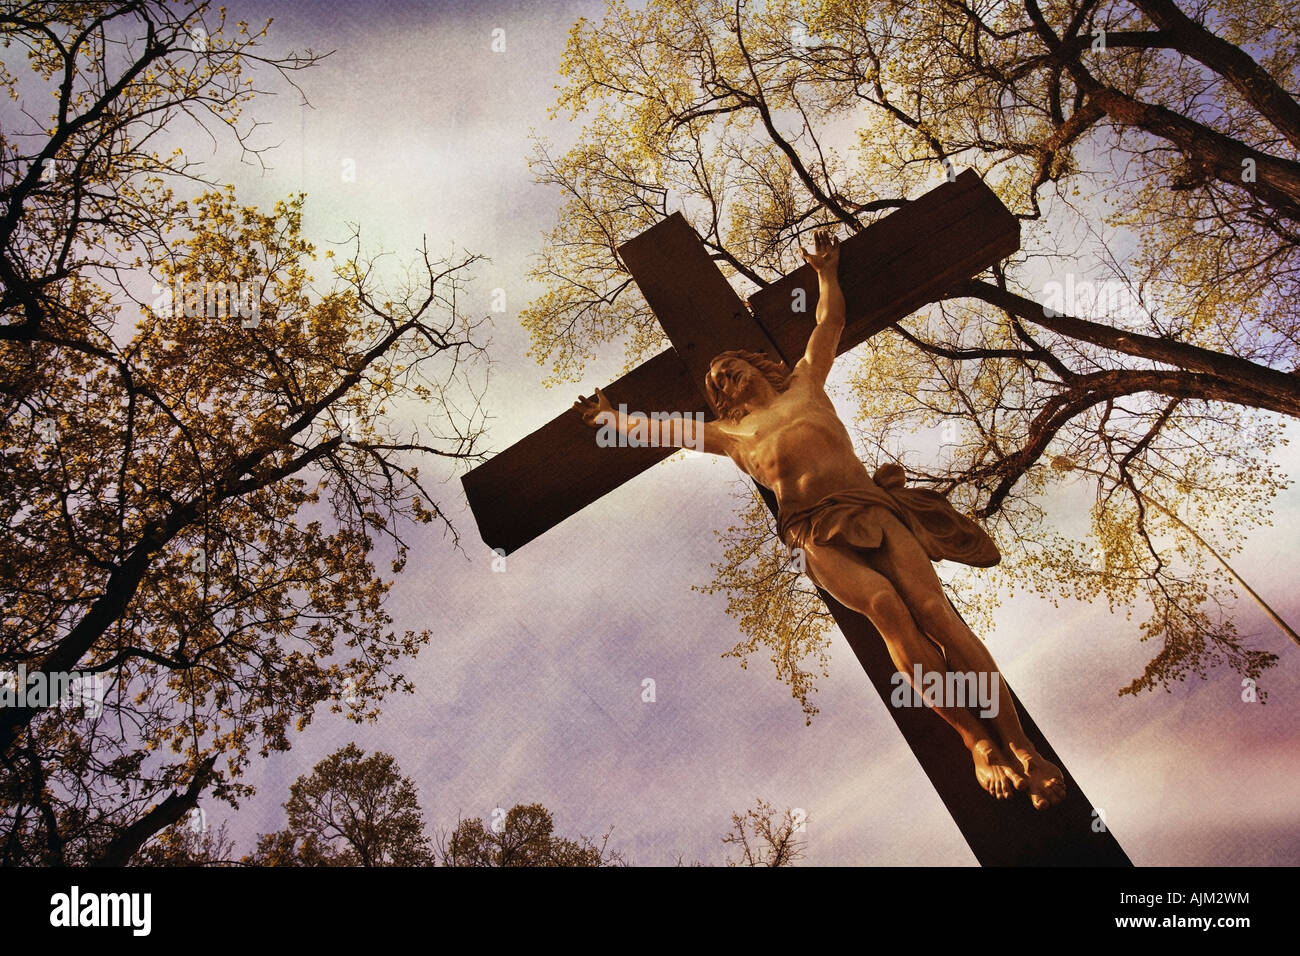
(531, 687)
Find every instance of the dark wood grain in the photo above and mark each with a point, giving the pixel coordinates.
(897, 265)
(559, 469)
(698, 309)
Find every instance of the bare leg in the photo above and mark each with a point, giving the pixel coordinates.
(856, 585)
(904, 562)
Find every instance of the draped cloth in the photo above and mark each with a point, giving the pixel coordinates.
(849, 517)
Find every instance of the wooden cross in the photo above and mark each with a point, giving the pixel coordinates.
(914, 256)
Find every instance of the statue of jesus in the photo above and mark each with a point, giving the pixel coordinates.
(868, 542)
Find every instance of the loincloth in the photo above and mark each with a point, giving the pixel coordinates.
(851, 517)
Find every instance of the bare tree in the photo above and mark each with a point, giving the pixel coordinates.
(764, 837)
(523, 836)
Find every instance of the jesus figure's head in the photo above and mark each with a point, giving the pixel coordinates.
(738, 378)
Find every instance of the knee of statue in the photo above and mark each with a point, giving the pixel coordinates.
(884, 605)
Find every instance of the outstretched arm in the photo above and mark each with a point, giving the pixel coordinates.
(825, 339)
(663, 431)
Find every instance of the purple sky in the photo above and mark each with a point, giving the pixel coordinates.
(531, 687)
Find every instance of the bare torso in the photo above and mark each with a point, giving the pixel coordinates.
(798, 447)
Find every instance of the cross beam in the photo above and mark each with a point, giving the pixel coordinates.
(915, 255)
(888, 270)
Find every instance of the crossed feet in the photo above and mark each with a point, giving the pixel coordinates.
(1001, 777)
